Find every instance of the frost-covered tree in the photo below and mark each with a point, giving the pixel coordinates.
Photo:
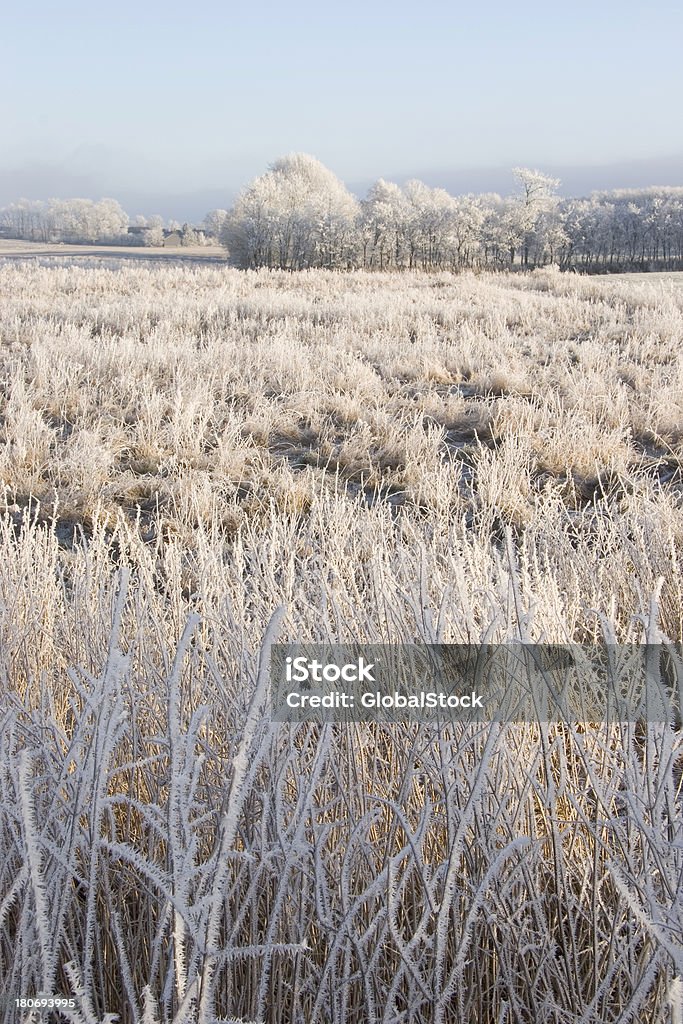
(419, 226)
(27, 219)
(493, 242)
(111, 220)
(469, 217)
(67, 220)
(537, 200)
(296, 215)
(189, 235)
(430, 225)
(624, 228)
(213, 223)
(384, 226)
(154, 235)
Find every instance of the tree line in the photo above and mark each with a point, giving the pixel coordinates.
(87, 221)
(299, 215)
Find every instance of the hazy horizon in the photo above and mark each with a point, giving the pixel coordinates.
(173, 112)
(44, 183)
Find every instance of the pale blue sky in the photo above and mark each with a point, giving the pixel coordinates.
(173, 97)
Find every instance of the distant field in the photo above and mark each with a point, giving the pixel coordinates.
(198, 461)
(16, 248)
(668, 276)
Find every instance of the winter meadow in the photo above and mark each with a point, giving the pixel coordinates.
(199, 461)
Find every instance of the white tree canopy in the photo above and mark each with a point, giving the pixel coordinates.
(296, 215)
(67, 220)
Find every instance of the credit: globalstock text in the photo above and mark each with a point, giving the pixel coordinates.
(421, 699)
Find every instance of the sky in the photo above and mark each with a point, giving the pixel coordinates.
(167, 102)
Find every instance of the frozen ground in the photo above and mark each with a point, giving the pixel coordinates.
(17, 249)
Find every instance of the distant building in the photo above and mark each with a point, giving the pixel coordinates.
(172, 238)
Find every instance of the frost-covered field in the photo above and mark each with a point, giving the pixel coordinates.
(197, 462)
(19, 249)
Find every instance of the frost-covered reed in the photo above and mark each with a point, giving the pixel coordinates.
(197, 463)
